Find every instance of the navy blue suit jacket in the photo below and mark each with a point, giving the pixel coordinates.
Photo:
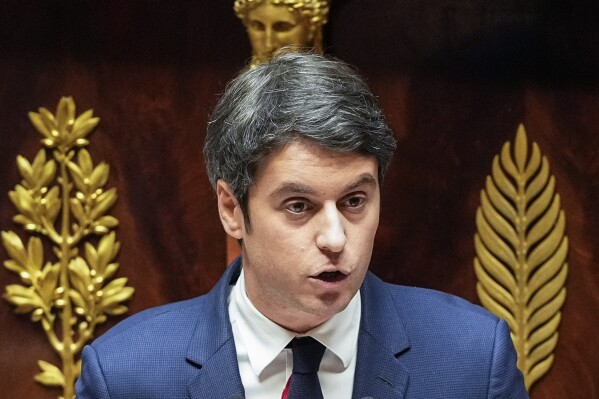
(413, 343)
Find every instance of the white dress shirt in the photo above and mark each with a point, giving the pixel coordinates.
(264, 362)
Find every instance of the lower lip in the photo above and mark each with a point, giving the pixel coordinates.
(330, 283)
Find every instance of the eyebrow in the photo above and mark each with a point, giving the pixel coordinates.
(292, 188)
(364, 179)
(298, 188)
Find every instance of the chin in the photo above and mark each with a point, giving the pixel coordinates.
(330, 305)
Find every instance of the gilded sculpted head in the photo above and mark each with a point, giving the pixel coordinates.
(272, 24)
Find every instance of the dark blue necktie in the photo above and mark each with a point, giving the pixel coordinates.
(307, 354)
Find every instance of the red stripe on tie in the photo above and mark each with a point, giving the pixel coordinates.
(286, 390)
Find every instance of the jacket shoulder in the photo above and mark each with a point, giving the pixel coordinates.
(436, 303)
(157, 320)
(454, 345)
(441, 323)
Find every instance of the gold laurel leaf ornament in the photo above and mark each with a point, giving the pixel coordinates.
(521, 250)
(63, 202)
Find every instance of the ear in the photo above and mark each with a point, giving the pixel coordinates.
(231, 215)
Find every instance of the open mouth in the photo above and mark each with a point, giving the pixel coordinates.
(331, 277)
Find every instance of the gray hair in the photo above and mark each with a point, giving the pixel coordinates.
(294, 96)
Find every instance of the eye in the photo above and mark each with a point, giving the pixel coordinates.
(256, 25)
(282, 26)
(354, 202)
(297, 207)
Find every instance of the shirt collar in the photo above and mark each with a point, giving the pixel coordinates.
(264, 339)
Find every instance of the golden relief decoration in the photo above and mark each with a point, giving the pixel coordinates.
(62, 201)
(521, 251)
(273, 24)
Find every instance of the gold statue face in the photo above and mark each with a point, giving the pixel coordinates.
(272, 24)
(271, 27)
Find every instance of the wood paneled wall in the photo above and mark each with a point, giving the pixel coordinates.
(455, 78)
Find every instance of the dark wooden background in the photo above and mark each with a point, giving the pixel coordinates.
(455, 78)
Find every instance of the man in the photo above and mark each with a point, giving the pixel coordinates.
(296, 150)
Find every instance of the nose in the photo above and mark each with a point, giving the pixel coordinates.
(331, 236)
(269, 39)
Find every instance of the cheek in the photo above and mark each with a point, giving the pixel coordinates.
(286, 243)
(273, 244)
(256, 38)
(363, 237)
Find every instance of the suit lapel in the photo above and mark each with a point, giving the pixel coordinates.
(382, 339)
(212, 348)
(219, 376)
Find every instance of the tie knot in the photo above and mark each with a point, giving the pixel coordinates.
(307, 354)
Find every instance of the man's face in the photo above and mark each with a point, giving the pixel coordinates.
(271, 27)
(314, 215)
